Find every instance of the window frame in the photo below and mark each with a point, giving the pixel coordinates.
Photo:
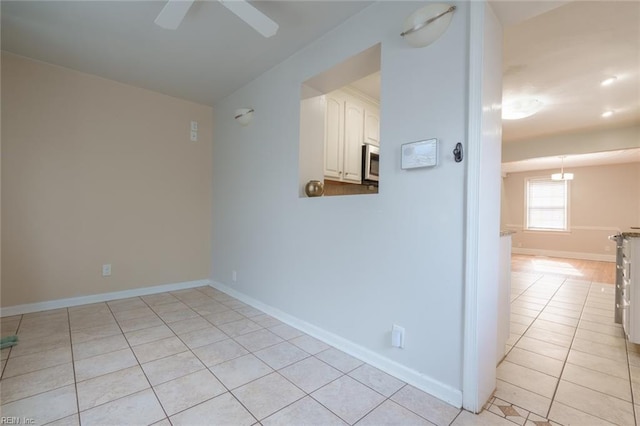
(567, 216)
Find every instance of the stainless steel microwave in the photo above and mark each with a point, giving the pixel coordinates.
(370, 164)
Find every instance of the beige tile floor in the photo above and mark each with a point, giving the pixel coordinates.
(567, 360)
(199, 356)
(194, 357)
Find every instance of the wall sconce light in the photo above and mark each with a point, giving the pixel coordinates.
(244, 116)
(426, 25)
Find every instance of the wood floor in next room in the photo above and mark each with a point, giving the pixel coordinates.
(567, 360)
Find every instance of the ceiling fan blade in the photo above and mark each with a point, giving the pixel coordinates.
(173, 13)
(252, 16)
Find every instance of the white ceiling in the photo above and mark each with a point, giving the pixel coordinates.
(562, 55)
(210, 55)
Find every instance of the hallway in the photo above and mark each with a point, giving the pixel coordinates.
(567, 360)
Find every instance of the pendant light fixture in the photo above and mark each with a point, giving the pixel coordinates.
(562, 175)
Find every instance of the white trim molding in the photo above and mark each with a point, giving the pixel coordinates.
(415, 378)
(96, 298)
(471, 346)
(565, 254)
(576, 228)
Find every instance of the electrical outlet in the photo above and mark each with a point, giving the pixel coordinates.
(234, 276)
(106, 270)
(607, 248)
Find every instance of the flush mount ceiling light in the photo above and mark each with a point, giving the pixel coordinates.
(521, 108)
(606, 114)
(562, 175)
(244, 116)
(426, 25)
(608, 81)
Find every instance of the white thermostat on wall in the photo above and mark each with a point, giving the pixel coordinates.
(420, 154)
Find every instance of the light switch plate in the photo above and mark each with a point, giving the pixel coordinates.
(397, 336)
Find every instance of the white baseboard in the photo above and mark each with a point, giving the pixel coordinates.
(96, 298)
(439, 390)
(565, 254)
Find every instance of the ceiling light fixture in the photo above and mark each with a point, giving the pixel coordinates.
(607, 114)
(562, 175)
(426, 25)
(608, 81)
(521, 108)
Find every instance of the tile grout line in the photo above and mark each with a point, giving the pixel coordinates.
(40, 369)
(139, 365)
(537, 316)
(526, 289)
(531, 324)
(196, 356)
(201, 361)
(633, 401)
(6, 361)
(564, 363)
(230, 391)
(73, 366)
(207, 367)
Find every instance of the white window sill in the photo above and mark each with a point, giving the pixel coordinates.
(547, 231)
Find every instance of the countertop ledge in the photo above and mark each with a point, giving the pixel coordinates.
(505, 232)
(630, 234)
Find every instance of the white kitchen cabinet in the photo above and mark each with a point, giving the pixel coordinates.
(631, 287)
(372, 126)
(347, 128)
(353, 137)
(334, 137)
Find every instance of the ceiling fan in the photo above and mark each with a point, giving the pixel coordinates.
(174, 12)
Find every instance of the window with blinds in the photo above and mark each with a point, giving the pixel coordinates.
(546, 204)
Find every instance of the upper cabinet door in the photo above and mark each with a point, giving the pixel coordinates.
(353, 140)
(372, 126)
(334, 138)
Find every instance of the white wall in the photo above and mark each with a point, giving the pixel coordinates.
(355, 265)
